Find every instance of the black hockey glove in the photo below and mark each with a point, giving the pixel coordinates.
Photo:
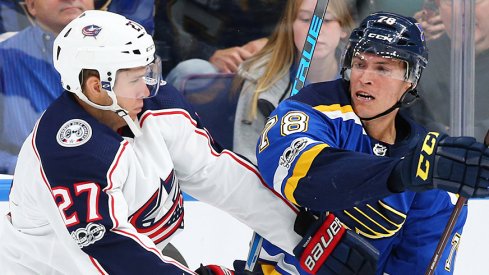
(239, 269)
(213, 270)
(455, 164)
(329, 248)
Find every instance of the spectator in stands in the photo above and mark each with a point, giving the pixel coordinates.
(28, 80)
(231, 32)
(434, 88)
(268, 76)
(430, 19)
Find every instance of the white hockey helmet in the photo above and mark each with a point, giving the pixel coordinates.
(105, 42)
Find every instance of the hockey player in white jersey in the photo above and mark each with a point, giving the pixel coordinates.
(98, 184)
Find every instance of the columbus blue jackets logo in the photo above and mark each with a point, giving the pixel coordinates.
(91, 30)
(74, 133)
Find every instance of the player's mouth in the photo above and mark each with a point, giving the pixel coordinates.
(364, 96)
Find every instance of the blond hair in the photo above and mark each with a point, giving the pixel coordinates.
(281, 48)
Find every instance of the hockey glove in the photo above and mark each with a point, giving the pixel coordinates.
(329, 248)
(455, 164)
(213, 270)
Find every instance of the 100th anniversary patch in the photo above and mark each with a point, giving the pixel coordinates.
(73, 133)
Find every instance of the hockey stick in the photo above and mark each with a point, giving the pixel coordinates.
(449, 227)
(299, 81)
(309, 45)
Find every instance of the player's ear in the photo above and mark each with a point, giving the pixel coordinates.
(93, 87)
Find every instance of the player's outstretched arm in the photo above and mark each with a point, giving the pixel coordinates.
(456, 164)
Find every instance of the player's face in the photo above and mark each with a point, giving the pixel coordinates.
(130, 89)
(330, 35)
(481, 31)
(56, 14)
(376, 83)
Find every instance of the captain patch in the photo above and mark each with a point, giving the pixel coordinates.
(74, 133)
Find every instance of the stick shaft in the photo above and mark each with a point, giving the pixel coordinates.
(309, 45)
(300, 79)
(446, 235)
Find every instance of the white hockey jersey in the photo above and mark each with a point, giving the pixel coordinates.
(88, 200)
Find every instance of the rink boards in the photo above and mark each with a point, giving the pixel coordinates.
(212, 236)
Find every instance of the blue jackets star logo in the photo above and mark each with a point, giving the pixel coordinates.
(91, 30)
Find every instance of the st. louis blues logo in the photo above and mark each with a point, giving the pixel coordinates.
(91, 30)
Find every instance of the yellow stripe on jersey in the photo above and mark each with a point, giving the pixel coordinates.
(300, 170)
(269, 269)
(377, 220)
(334, 108)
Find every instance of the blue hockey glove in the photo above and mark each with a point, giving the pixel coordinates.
(329, 248)
(455, 164)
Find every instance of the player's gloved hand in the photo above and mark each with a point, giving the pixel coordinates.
(455, 164)
(213, 270)
(329, 248)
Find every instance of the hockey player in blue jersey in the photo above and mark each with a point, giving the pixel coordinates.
(98, 184)
(342, 146)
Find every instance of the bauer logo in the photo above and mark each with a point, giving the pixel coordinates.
(91, 30)
(74, 133)
(88, 235)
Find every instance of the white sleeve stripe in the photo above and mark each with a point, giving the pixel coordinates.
(113, 166)
(110, 184)
(98, 266)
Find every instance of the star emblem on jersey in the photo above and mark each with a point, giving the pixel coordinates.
(74, 133)
(91, 30)
(379, 150)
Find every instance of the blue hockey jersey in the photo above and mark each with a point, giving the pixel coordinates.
(316, 153)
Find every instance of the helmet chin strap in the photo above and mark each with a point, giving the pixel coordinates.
(398, 104)
(131, 123)
(114, 107)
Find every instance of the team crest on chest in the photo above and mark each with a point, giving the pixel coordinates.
(74, 133)
(379, 150)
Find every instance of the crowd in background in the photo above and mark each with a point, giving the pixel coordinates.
(203, 44)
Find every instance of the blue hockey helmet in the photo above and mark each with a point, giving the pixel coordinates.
(389, 35)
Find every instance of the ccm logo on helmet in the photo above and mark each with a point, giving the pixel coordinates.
(426, 150)
(380, 37)
(322, 245)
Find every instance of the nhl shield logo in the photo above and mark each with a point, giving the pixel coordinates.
(74, 133)
(379, 150)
